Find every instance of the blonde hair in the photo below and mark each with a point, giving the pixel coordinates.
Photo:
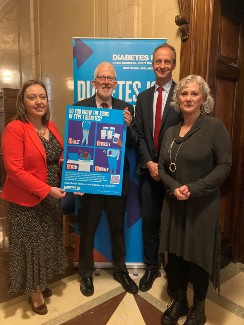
(207, 106)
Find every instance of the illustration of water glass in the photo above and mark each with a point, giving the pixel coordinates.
(112, 129)
(110, 134)
(104, 132)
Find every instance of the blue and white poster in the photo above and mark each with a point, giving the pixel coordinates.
(132, 59)
(94, 150)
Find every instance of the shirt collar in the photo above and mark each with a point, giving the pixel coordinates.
(99, 102)
(166, 87)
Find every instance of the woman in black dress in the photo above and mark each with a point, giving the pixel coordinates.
(195, 160)
(32, 148)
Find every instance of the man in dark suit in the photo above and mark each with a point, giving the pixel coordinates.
(92, 205)
(164, 62)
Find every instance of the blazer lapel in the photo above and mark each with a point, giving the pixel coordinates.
(54, 131)
(93, 101)
(115, 103)
(150, 109)
(167, 107)
(35, 139)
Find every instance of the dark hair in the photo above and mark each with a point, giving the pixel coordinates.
(21, 111)
(165, 45)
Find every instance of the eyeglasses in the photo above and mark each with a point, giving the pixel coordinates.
(103, 78)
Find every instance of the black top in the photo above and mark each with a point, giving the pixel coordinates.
(191, 228)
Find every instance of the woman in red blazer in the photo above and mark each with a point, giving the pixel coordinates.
(32, 148)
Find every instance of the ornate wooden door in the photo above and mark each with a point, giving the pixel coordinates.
(213, 46)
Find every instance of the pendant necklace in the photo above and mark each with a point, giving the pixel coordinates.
(172, 165)
(42, 133)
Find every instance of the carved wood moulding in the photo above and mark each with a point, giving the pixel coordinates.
(183, 19)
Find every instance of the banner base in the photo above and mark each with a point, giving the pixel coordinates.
(109, 265)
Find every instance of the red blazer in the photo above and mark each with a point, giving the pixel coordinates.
(25, 162)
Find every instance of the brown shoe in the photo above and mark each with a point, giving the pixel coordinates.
(40, 310)
(47, 292)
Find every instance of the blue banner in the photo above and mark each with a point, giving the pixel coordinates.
(132, 59)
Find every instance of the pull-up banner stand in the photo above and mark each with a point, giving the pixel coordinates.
(132, 59)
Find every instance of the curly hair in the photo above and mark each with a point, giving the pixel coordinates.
(208, 104)
(21, 110)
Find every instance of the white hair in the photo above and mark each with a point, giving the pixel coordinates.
(107, 64)
(208, 104)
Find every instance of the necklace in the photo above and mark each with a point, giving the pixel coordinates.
(172, 165)
(42, 133)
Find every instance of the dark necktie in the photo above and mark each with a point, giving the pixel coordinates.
(104, 105)
(158, 117)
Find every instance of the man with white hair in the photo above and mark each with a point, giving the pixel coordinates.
(92, 205)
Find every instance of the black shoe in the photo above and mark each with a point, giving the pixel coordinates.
(86, 286)
(148, 278)
(196, 315)
(127, 283)
(177, 309)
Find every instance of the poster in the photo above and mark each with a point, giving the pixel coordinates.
(94, 150)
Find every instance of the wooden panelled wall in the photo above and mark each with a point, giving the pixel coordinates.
(7, 113)
(215, 49)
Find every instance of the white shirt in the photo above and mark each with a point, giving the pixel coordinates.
(165, 93)
(99, 102)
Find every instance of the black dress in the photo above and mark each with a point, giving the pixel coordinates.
(191, 228)
(36, 245)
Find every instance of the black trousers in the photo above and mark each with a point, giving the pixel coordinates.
(90, 216)
(152, 193)
(181, 272)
